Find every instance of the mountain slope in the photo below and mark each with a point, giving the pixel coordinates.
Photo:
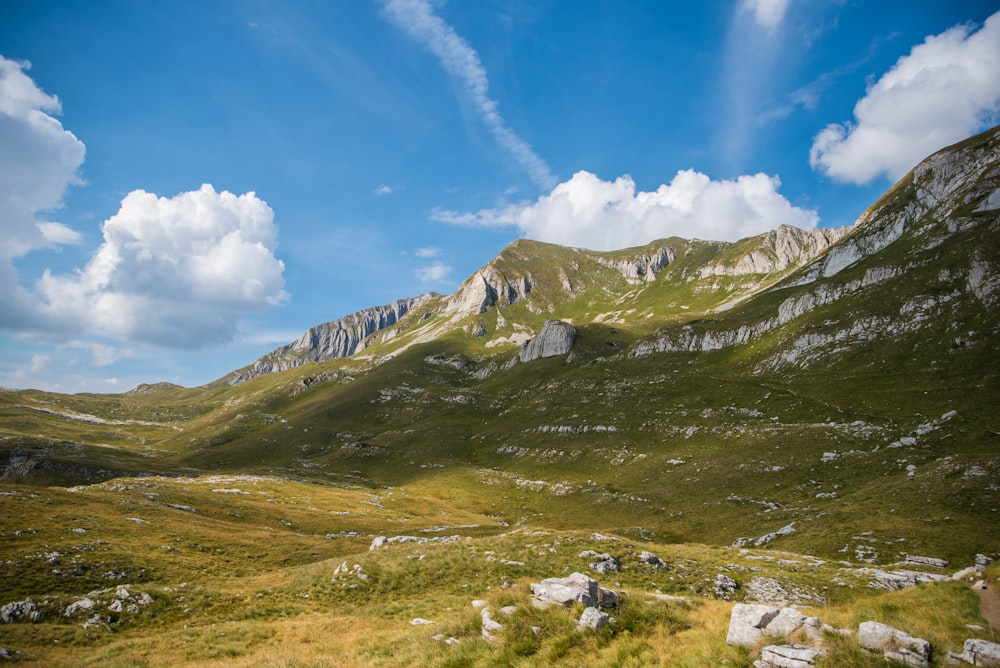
(823, 393)
(851, 382)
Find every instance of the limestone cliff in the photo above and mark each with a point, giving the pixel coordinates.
(778, 250)
(338, 338)
(556, 338)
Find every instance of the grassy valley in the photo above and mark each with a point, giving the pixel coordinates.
(802, 425)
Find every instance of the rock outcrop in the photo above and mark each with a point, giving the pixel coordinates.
(577, 588)
(488, 287)
(338, 338)
(643, 268)
(778, 250)
(977, 652)
(787, 656)
(556, 338)
(896, 645)
(592, 618)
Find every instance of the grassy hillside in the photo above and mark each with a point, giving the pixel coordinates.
(843, 407)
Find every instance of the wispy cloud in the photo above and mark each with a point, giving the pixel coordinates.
(767, 13)
(752, 51)
(382, 190)
(436, 272)
(430, 251)
(100, 354)
(459, 59)
(945, 89)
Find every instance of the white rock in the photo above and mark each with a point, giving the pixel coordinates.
(787, 622)
(592, 618)
(789, 656)
(76, 606)
(981, 653)
(877, 637)
(490, 626)
(747, 622)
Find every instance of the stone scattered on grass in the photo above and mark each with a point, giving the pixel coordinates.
(592, 618)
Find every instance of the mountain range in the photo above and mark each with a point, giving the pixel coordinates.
(832, 392)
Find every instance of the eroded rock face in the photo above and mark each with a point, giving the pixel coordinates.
(556, 338)
(337, 338)
(780, 249)
(643, 268)
(488, 287)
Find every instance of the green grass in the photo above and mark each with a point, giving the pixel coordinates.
(291, 474)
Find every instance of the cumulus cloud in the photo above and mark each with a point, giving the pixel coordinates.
(177, 272)
(38, 162)
(767, 13)
(460, 60)
(429, 251)
(592, 213)
(383, 190)
(435, 272)
(945, 89)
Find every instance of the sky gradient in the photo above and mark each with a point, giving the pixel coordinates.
(185, 186)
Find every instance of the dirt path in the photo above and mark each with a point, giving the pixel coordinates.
(989, 605)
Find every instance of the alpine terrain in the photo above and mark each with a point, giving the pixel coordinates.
(783, 450)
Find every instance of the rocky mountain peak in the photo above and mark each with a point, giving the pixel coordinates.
(778, 250)
(338, 338)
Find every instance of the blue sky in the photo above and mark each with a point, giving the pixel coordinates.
(185, 186)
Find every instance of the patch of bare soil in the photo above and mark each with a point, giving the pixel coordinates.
(989, 603)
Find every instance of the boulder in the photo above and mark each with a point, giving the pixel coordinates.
(76, 606)
(747, 623)
(788, 621)
(724, 586)
(979, 653)
(575, 588)
(490, 626)
(894, 644)
(605, 564)
(788, 656)
(592, 618)
(556, 338)
(18, 609)
(652, 560)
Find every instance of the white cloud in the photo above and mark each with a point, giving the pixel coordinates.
(100, 354)
(38, 162)
(460, 60)
(39, 363)
(383, 190)
(767, 13)
(430, 251)
(605, 215)
(944, 90)
(177, 272)
(436, 272)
